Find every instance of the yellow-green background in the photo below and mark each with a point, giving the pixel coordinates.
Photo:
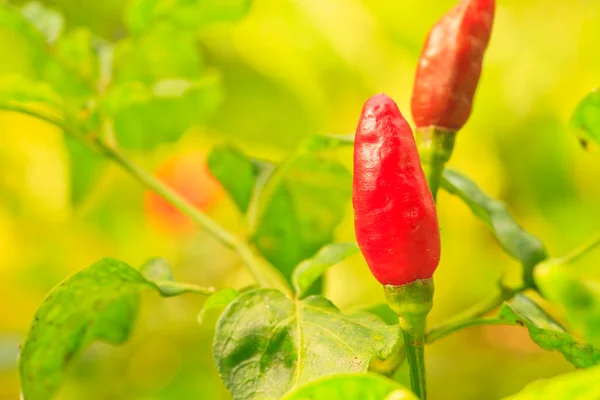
(291, 68)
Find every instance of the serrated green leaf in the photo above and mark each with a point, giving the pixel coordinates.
(218, 301)
(18, 89)
(98, 303)
(578, 298)
(266, 344)
(585, 121)
(46, 20)
(580, 385)
(308, 271)
(187, 14)
(517, 242)
(146, 117)
(547, 333)
(236, 173)
(352, 387)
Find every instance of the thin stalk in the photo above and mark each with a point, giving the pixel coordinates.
(263, 273)
(412, 302)
(413, 330)
(472, 316)
(445, 330)
(180, 287)
(582, 250)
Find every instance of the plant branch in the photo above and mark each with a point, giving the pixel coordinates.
(472, 316)
(445, 330)
(180, 287)
(263, 273)
(582, 250)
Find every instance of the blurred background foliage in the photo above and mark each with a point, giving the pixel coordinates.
(290, 68)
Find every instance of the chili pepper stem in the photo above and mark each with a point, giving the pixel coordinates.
(413, 330)
(435, 148)
(412, 302)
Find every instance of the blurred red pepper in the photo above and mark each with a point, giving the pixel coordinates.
(450, 66)
(394, 214)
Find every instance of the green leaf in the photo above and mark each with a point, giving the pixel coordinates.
(190, 14)
(146, 117)
(547, 333)
(579, 385)
(266, 344)
(98, 303)
(585, 121)
(86, 166)
(352, 387)
(293, 208)
(518, 243)
(578, 298)
(46, 20)
(236, 172)
(383, 312)
(299, 208)
(308, 271)
(18, 89)
(161, 53)
(218, 301)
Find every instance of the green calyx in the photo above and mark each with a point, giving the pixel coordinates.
(414, 298)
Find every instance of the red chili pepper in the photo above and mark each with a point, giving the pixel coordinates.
(450, 65)
(394, 214)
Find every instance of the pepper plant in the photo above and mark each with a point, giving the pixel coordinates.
(282, 338)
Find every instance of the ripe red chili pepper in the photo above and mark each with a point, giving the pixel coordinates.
(450, 65)
(394, 214)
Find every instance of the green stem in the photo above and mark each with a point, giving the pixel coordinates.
(412, 302)
(582, 250)
(413, 330)
(263, 273)
(181, 287)
(445, 330)
(472, 316)
(435, 149)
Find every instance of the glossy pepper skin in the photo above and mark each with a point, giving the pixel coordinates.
(450, 66)
(395, 218)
